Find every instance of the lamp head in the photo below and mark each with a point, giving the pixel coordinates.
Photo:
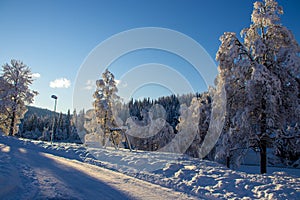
(53, 97)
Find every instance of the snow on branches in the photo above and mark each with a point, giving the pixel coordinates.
(261, 79)
(106, 99)
(15, 94)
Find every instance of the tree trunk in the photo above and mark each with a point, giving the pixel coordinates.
(263, 139)
(228, 162)
(12, 124)
(263, 156)
(105, 131)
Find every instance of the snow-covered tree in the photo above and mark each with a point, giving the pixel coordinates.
(171, 105)
(234, 72)
(4, 101)
(288, 146)
(59, 128)
(79, 130)
(261, 79)
(45, 134)
(19, 77)
(105, 99)
(74, 118)
(75, 125)
(204, 113)
(34, 124)
(94, 131)
(152, 132)
(67, 125)
(187, 128)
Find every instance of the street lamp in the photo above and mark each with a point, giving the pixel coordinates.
(52, 133)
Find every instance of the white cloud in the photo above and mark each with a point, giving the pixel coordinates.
(60, 83)
(36, 75)
(90, 85)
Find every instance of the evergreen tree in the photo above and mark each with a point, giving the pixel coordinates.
(80, 130)
(68, 125)
(74, 118)
(105, 99)
(60, 127)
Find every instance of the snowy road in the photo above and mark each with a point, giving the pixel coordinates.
(30, 174)
(38, 170)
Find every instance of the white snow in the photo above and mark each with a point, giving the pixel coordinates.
(28, 171)
(39, 170)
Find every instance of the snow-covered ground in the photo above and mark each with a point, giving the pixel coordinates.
(28, 171)
(39, 170)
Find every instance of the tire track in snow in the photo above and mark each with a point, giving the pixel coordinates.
(135, 188)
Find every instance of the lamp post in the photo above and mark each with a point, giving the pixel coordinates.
(52, 133)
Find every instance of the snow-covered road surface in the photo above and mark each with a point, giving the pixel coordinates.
(28, 174)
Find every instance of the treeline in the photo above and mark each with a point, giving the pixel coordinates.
(140, 110)
(39, 124)
(170, 104)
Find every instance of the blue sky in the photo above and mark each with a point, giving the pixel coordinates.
(54, 37)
